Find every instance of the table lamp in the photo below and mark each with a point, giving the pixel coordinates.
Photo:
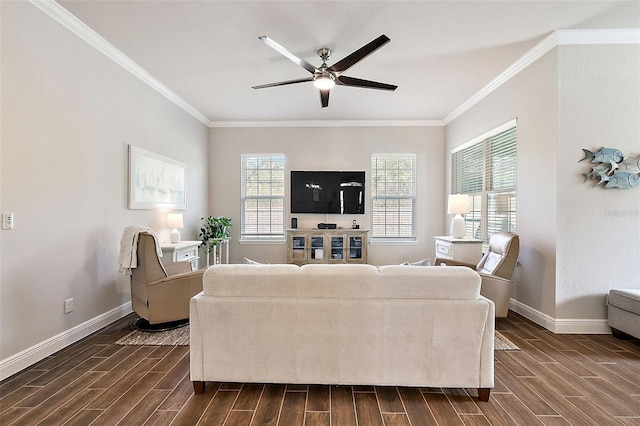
(458, 205)
(174, 220)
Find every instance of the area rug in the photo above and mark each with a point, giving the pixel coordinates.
(501, 343)
(175, 337)
(180, 337)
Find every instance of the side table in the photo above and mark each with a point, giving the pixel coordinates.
(184, 251)
(468, 250)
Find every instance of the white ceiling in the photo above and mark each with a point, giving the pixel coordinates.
(441, 52)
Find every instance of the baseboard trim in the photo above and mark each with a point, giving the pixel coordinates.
(18, 362)
(561, 326)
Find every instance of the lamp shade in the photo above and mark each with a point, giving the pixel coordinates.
(458, 204)
(174, 220)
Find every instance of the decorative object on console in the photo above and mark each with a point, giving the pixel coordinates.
(612, 168)
(174, 220)
(327, 226)
(156, 181)
(458, 205)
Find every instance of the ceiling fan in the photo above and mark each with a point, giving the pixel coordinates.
(325, 77)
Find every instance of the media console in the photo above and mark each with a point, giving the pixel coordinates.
(326, 246)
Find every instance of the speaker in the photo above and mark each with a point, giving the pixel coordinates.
(327, 226)
(294, 222)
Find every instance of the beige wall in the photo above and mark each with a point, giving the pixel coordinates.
(577, 242)
(329, 148)
(531, 98)
(67, 116)
(598, 243)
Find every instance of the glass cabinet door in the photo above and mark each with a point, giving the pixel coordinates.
(337, 248)
(317, 248)
(355, 248)
(299, 248)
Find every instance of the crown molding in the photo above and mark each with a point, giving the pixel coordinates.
(556, 38)
(82, 30)
(330, 123)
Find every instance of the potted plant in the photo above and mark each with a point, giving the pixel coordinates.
(213, 230)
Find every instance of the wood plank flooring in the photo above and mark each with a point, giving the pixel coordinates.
(553, 380)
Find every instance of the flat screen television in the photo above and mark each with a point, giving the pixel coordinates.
(327, 192)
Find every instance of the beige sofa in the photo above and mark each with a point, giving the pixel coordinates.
(342, 324)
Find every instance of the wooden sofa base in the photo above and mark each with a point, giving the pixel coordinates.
(483, 393)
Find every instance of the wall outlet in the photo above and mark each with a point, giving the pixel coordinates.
(7, 221)
(68, 306)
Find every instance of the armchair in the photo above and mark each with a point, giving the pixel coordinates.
(496, 269)
(159, 294)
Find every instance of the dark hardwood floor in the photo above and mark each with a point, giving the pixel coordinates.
(553, 380)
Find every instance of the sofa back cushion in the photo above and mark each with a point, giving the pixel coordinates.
(250, 280)
(342, 281)
(431, 282)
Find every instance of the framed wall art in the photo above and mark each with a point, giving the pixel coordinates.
(156, 181)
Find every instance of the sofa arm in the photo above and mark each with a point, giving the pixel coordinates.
(177, 268)
(450, 262)
(499, 291)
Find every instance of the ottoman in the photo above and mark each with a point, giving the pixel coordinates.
(624, 312)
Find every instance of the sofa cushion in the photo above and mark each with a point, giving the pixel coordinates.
(431, 282)
(342, 281)
(250, 280)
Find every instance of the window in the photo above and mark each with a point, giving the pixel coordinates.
(393, 197)
(485, 168)
(262, 197)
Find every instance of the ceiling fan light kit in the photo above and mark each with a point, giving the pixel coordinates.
(324, 81)
(326, 77)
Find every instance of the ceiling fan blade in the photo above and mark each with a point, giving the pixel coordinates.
(346, 63)
(324, 97)
(343, 80)
(283, 83)
(283, 51)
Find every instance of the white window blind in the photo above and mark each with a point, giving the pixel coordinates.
(262, 197)
(393, 196)
(486, 170)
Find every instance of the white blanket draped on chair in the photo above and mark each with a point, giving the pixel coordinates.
(128, 245)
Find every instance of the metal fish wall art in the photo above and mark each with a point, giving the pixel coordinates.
(612, 167)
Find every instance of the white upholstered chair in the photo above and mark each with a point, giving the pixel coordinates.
(496, 269)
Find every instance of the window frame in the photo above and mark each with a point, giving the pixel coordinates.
(376, 195)
(492, 202)
(257, 236)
